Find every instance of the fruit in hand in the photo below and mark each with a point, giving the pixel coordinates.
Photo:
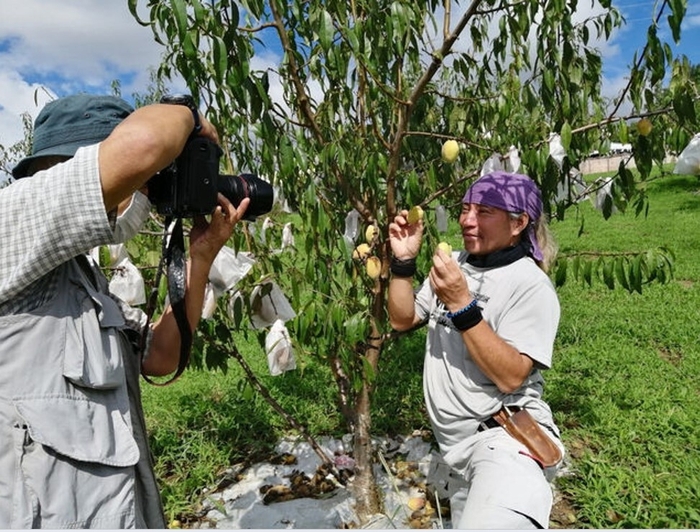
(361, 251)
(415, 215)
(374, 267)
(445, 247)
(450, 151)
(644, 127)
(370, 232)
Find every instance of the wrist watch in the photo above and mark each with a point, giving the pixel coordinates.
(187, 101)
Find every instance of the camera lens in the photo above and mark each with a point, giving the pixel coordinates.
(237, 187)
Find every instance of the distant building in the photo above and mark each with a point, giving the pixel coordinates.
(617, 147)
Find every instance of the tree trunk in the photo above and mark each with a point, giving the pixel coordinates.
(364, 485)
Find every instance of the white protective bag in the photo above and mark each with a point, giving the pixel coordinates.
(688, 162)
(269, 304)
(127, 282)
(278, 346)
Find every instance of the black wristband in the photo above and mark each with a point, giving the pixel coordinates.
(467, 317)
(187, 101)
(402, 267)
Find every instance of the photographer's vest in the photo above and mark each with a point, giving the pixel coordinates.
(74, 451)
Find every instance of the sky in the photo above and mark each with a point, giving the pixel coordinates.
(50, 48)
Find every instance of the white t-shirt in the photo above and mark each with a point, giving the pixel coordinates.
(519, 303)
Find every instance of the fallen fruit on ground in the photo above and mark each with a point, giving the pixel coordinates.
(450, 151)
(374, 267)
(416, 503)
(415, 215)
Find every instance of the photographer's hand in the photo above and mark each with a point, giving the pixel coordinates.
(206, 240)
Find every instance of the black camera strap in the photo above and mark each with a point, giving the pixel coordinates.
(176, 264)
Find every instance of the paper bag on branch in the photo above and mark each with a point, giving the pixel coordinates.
(127, 283)
(228, 269)
(492, 164)
(209, 304)
(269, 304)
(278, 346)
(688, 162)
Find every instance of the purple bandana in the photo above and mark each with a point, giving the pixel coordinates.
(515, 193)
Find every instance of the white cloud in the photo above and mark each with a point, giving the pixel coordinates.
(67, 46)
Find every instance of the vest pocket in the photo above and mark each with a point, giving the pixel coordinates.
(92, 357)
(75, 461)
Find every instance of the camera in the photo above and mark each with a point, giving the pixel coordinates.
(189, 185)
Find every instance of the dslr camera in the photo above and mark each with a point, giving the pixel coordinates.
(189, 185)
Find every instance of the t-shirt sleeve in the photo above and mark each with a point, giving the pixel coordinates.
(530, 324)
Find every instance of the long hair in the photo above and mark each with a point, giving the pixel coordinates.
(545, 239)
(548, 245)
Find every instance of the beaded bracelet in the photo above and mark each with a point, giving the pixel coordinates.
(467, 317)
(402, 267)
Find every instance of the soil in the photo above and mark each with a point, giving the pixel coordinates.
(295, 490)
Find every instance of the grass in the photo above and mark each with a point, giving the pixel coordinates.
(624, 388)
(626, 377)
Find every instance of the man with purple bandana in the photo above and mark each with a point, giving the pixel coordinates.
(492, 316)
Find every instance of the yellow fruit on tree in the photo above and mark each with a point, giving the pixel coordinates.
(374, 267)
(415, 215)
(445, 247)
(450, 151)
(644, 127)
(361, 251)
(370, 232)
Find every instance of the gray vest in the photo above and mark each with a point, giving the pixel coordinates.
(73, 448)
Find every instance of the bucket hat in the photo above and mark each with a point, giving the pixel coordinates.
(69, 123)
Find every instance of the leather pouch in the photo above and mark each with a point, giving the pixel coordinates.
(523, 427)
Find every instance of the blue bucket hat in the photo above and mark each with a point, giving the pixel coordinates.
(69, 123)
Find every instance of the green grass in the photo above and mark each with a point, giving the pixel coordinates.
(626, 377)
(624, 387)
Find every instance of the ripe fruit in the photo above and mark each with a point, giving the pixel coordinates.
(361, 251)
(415, 215)
(175, 523)
(445, 247)
(416, 503)
(644, 127)
(373, 267)
(450, 151)
(370, 232)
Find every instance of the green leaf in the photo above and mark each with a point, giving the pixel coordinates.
(180, 14)
(220, 59)
(566, 136)
(608, 276)
(560, 276)
(326, 30)
(620, 272)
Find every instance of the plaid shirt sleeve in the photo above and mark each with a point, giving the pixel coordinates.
(48, 219)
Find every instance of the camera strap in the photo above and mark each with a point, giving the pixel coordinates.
(176, 265)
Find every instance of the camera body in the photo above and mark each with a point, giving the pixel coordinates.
(189, 185)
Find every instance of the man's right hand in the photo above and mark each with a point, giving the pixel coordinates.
(405, 238)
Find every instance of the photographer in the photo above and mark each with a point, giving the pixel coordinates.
(73, 443)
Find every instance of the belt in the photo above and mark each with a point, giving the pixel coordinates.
(491, 423)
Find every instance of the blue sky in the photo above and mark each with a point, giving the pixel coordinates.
(50, 47)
